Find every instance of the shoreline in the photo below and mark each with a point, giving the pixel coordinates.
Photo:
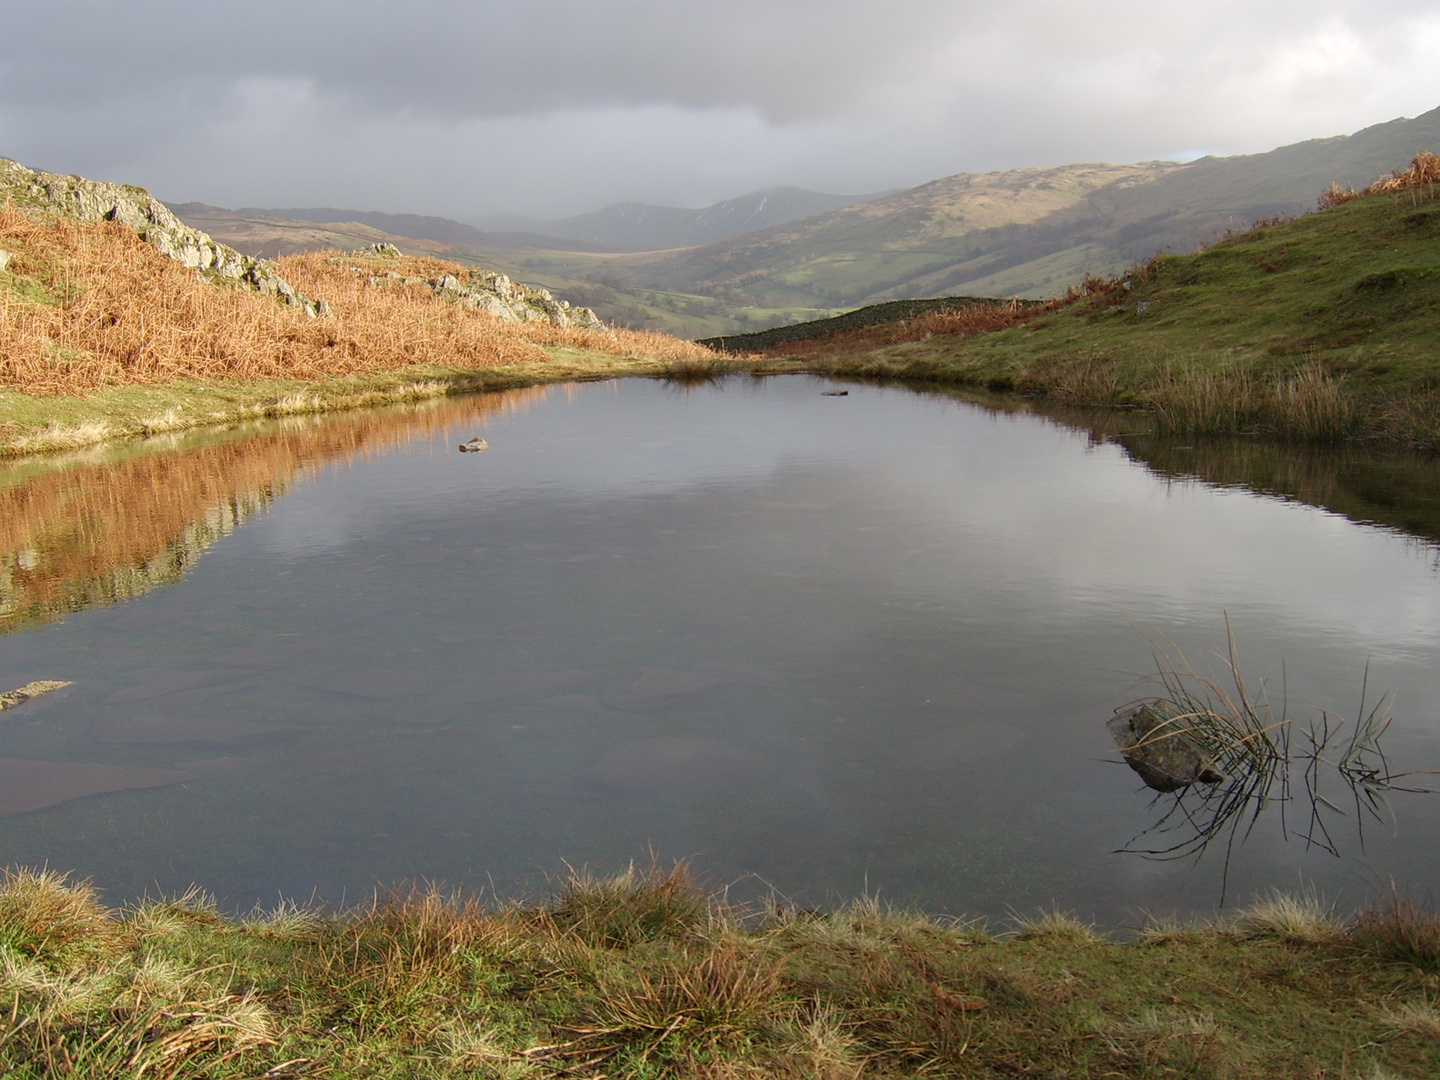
(31, 424)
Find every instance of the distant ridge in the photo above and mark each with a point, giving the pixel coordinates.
(634, 226)
(455, 234)
(1025, 232)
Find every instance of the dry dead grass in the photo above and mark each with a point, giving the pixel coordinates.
(91, 305)
(1423, 173)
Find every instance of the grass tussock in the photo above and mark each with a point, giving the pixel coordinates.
(1401, 929)
(1421, 177)
(1302, 919)
(86, 306)
(640, 975)
(1054, 925)
(1222, 755)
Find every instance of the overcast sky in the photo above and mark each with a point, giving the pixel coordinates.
(468, 108)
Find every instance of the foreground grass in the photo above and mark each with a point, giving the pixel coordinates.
(1320, 328)
(640, 976)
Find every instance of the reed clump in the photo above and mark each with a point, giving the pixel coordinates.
(642, 975)
(90, 305)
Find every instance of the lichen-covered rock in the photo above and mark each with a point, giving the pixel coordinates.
(485, 290)
(93, 200)
(1163, 748)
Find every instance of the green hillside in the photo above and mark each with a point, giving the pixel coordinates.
(1028, 232)
(1335, 313)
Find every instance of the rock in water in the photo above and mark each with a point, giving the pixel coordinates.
(12, 698)
(474, 446)
(1164, 750)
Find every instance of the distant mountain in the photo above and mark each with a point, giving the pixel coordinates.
(633, 226)
(786, 253)
(1027, 232)
(629, 226)
(453, 234)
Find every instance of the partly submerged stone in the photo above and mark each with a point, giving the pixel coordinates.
(1163, 747)
(12, 698)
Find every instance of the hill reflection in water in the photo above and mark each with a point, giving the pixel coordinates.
(89, 529)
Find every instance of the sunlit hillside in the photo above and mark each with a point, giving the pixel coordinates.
(88, 305)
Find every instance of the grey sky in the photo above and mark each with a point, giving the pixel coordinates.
(473, 107)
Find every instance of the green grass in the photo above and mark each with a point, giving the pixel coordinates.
(1323, 327)
(641, 976)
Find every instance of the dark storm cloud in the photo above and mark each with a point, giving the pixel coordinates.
(556, 106)
(448, 57)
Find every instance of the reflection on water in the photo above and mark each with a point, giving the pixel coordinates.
(836, 643)
(1387, 486)
(85, 532)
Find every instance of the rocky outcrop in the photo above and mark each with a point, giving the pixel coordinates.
(484, 290)
(93, 200)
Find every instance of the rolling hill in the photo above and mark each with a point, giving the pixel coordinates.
(1025, 232)
(1029, 232)
(1323, 327)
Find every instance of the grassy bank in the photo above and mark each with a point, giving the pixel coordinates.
(1320, 328)
(103, 337)
(33, 423)
(641, 976)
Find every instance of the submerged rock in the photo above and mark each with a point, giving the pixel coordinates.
(12, 698)
(1165, 750)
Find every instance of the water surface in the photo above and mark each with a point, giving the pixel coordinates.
(820, 644)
